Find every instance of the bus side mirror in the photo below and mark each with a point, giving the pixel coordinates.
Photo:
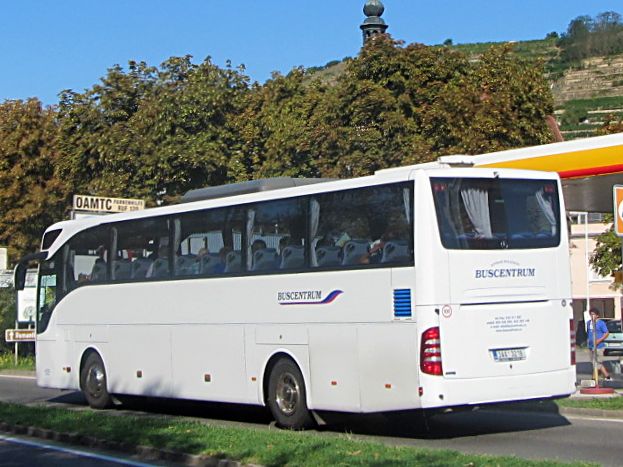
(19, 275)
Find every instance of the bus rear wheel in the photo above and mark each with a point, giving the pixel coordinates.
(287, 398)
(93, 383)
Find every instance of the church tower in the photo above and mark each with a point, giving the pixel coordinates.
(373, 25)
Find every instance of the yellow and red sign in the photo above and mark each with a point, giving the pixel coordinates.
(570, 163)
(618, 209)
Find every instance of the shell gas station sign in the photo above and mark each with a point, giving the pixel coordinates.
(618, 209)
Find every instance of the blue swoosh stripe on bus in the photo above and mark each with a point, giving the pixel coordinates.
(328, 299)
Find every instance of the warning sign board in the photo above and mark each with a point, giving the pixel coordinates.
(618, 210)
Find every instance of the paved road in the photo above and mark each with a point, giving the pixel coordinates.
(20, 451)
(523, 434)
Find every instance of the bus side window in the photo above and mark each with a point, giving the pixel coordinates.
(277, 235)
(138, 244)
(89, 253)
(352, 228)
(208, 242)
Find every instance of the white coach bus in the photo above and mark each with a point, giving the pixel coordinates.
(416, 288)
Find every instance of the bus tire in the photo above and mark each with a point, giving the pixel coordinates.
(287, 396)
(93, 383)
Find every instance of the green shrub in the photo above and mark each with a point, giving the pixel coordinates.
(7, 315)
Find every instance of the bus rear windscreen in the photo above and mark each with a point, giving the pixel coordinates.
(489, 214)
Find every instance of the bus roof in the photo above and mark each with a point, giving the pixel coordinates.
(252, 186)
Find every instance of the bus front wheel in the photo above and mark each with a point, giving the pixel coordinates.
(287, 396)
(93, 383)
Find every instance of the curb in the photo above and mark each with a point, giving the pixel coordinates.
(17, 373)
(146, 453)
(610, 414)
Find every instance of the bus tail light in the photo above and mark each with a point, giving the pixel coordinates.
(572, 339)
(430, 352)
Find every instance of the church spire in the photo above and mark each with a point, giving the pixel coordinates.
(373, 24)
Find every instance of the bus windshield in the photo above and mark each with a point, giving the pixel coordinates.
(489, 214)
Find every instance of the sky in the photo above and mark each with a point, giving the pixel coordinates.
(48, 46)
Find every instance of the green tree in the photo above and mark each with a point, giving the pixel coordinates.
(587, 37)
(7, 314)
(151, 133)
(398, 105)
(606, 257)
(275, 131)
(575, 44)
(182, 136)
(93, 126)
(612, 125)
(608, 32)
(31, 195)
(499, 102)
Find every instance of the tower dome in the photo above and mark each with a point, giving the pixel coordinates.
(373, 25)
(373, 8)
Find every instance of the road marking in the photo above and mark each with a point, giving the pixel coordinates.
(74, 452)
(18, 377)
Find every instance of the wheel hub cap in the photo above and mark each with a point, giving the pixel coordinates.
(288, 393)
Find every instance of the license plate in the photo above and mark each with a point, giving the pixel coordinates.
(509, 355)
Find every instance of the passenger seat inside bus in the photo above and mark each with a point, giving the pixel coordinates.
(355, 251)
(395, 251)
(265, 259)
(184, 265)
(98, 273)
(328, 256)
(293, 257)
(160, 268)
(140, 266)
(122, 269)
(208, 264)
(233, 262)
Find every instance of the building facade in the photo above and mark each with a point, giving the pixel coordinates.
(600, 290)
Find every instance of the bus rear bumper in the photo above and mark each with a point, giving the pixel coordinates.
(445, 392)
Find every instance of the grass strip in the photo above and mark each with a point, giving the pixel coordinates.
(611, 403)
(7, 362)
(258, 446)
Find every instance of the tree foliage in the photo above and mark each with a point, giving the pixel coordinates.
(612, 125)
(151, 133)
(606, 257)
(156, 132)
(7, 314)
(31, 196)
(276, 131)
(399, 105)
(589, 37)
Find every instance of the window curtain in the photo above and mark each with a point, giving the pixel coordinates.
(314, 221)
(406, 198)
(250, 224)
(476, 202)
(548, 210)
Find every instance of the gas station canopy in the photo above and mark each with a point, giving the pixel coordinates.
(588, 168)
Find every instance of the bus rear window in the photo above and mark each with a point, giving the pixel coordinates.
(489, 214)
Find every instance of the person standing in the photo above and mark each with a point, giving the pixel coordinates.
(601, 333)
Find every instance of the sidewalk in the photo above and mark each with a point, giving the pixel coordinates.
(584, 369)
